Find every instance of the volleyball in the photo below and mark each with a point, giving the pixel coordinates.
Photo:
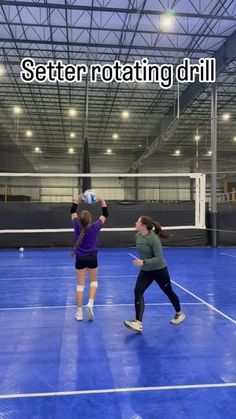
(21, 249)
(89, 197)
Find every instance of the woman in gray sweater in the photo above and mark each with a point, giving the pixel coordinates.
(153, 267)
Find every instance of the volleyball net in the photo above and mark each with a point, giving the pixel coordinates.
(35, 207)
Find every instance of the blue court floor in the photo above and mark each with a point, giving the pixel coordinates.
(53, 367)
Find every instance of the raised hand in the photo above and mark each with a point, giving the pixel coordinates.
(78, 199)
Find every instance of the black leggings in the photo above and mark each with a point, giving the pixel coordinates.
(144, 280)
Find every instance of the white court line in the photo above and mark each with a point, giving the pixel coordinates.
(95, 305)
(116, 390)
(226, 254)
(207, 304)
(63, 277)
(133, 256)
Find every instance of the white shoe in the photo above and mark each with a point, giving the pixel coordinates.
(133, 325)
(90, 312)
(79, 314)
(179, 318)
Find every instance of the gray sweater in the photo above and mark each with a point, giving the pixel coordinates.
(150, 250)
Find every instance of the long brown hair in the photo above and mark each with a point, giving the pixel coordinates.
(84, 220)
(149, 223)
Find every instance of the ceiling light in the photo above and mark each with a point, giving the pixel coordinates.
(115, 136)
(167, 21)
(71, 151)
(37, 150)
(72, 112)
(28, 133)
(72, 135)
(197, 137)
(226, 116)
(17, 110)
(209, 153)
(177, 152)
(125, 114)
(109, 151)
(140, 145)
(234, 138)
(2, 70)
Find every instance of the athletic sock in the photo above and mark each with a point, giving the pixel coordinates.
(90, 303)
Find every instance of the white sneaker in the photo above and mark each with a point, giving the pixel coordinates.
(90, 312)
(133, 325)
(179, 318)
(79, 314)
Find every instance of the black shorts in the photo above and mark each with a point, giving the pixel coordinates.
(90, 261)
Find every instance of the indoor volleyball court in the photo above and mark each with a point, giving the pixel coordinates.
(117, 209)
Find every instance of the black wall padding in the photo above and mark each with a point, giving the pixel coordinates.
(28, 215)
(15, 198)
(227, 221)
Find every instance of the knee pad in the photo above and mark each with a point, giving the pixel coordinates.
(80, 288)
(94, 284)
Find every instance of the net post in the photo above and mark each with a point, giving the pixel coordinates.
(200, 199)
(197, 201)
(202, 220)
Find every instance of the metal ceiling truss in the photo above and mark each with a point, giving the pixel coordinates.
(98, 32)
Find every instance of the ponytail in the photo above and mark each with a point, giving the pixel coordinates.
(84, 221)
(78, 241)
(149, 223)
(158, 230)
